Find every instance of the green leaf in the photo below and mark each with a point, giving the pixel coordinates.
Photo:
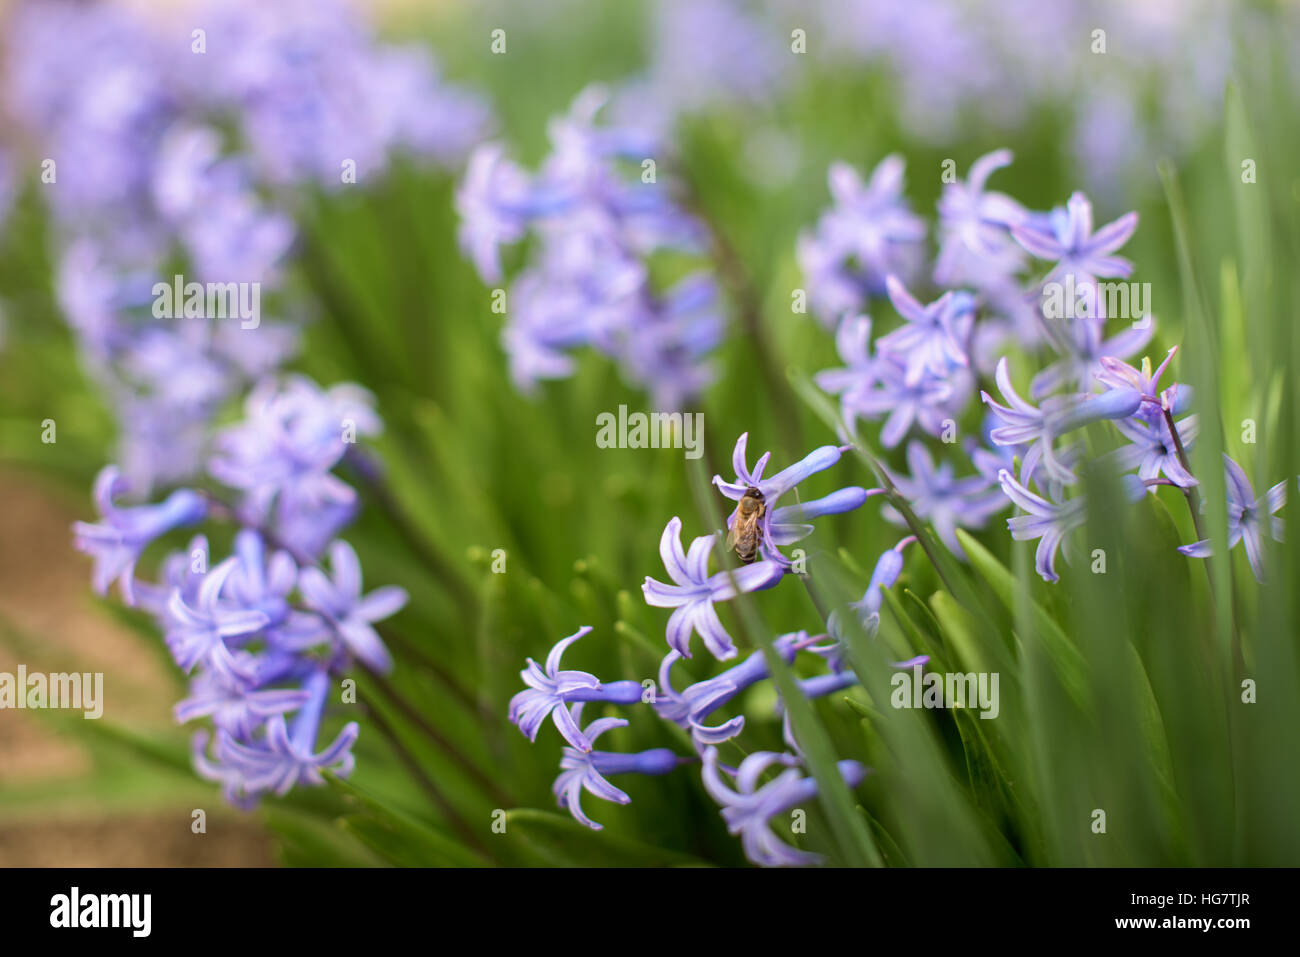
(1065, 657)
(389, 827)
(563, 842)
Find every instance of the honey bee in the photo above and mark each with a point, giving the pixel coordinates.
(745, 533)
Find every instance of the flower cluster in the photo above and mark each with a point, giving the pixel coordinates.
(174, 149)
(748, 803)
(1009, 277)
(264, 632)
(957, 67)
(171, 148)
(597, 210)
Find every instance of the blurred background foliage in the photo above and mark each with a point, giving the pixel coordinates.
(1118, 690)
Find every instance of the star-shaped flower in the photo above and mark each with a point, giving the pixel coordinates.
(694, 590)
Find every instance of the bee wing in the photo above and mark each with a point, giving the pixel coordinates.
(731, 534)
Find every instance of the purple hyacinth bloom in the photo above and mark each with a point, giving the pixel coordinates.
(1084, 352)
(338, 600)
(867, 609)
(789, 523)
(785, 525)
(293, 433)
(819, 686)
(1038, 429)
(260, 584)
(853, 343)
(586, 770)
(496, 201)
(694, 591)
(1046, 521)
(711, 53)
(1068, 239)
(280, 457)
(183, 570)
(1116, 374)
(929, 402)
(817, 460)
(946, 502)
(1153, 451)
(233, 707)
(1247, 518)
(748, 808)
(690, 707)
(588, 281)
(934, 337)
(976, 247)
(549, 692)
(868, 234)
(197, 634)
(117, 541)
(284, 757)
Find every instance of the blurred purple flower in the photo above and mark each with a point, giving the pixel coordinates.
(197, 634)
(934, 337)
(868, 234)
(946, 502)
(117, 541)
(1248, 517)
(283, 757)
(339, 602)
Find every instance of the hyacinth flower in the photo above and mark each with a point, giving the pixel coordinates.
(1116, 374)
(933, 338)
(1068, 240)
(773, 488)
(198, 634)
(785, 525)
(789, 523)
(1046, 521)
(589, 281)
(928, 403)
(853, 343)
(690, 707)
(1039, 428)
(748, 808)
(183, 570)
(1050, 522)
(281, 454)
(867, 609)
(284, 757)
(1247, 518)
(1083, 354)
(260, 583)
(869, 233)
(975, 239)
(338, 600)
(117, 541)
(551, 690)
(945, 501)
(1153, 451)
(233, 707)
(710, 54)
(694, 591)
(586, 770)
(495, 201)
